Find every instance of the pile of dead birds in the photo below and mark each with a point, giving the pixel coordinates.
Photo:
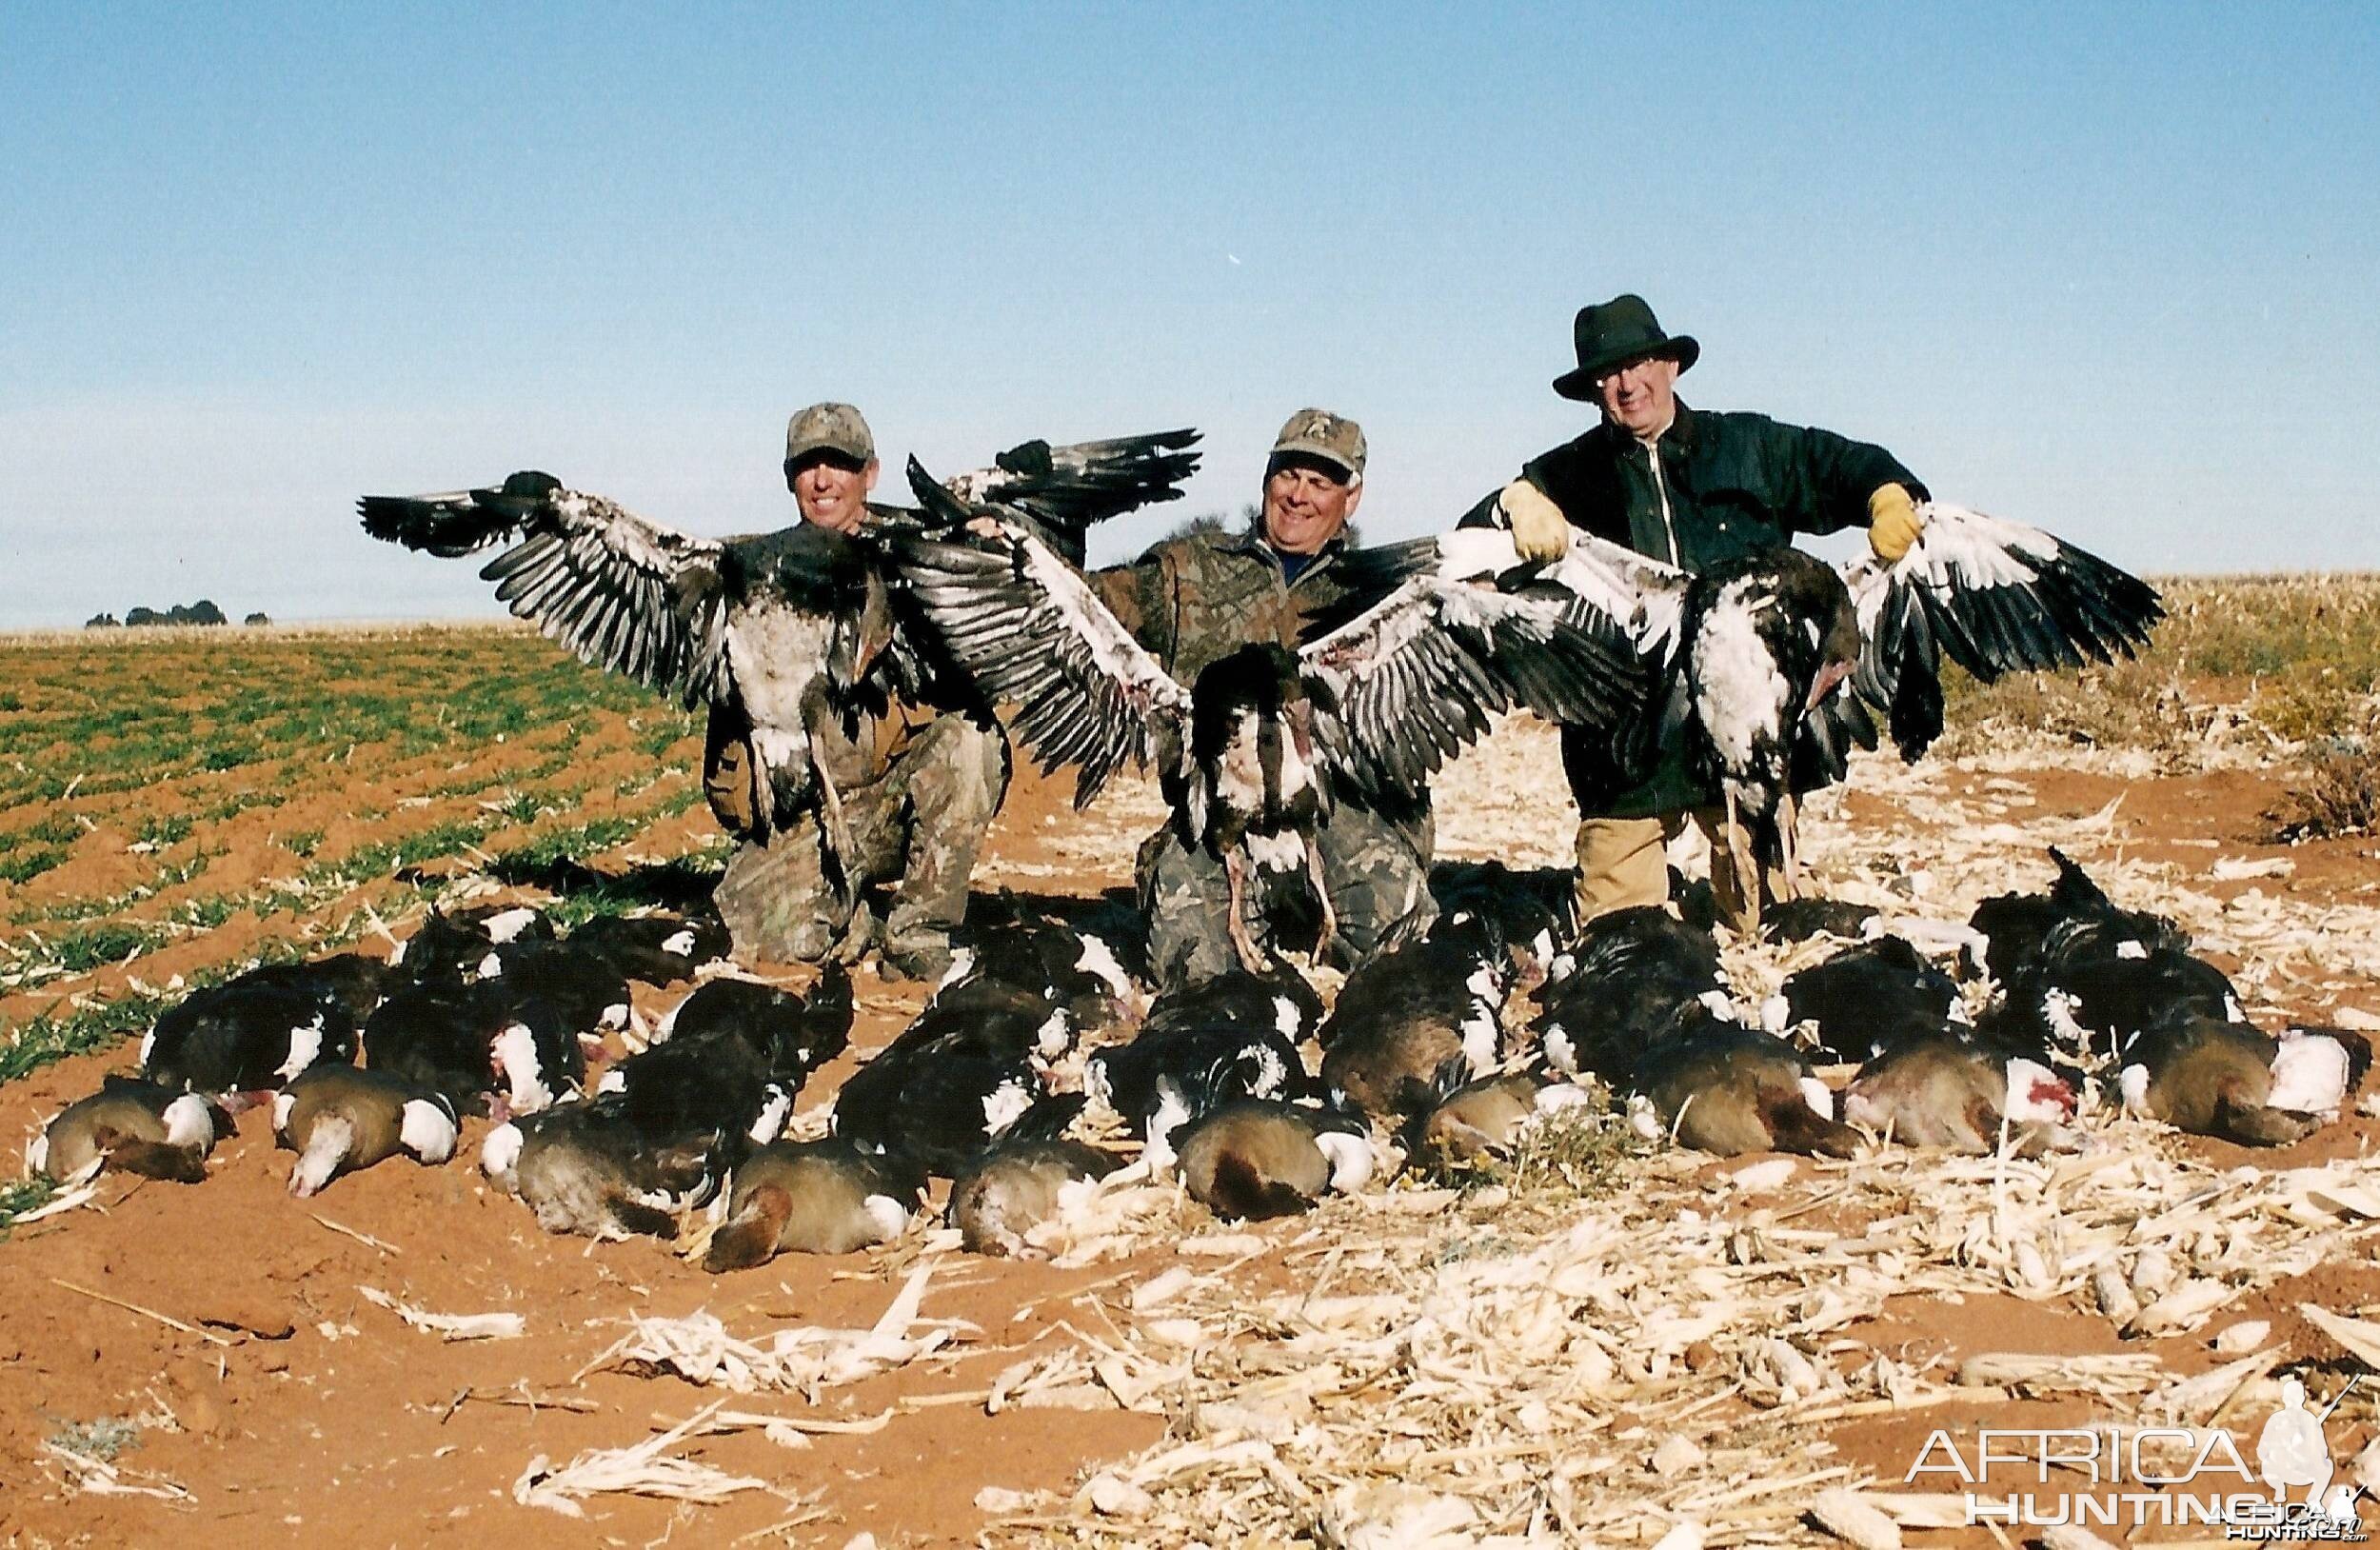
(1040, 1065)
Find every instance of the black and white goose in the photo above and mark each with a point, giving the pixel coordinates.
(794, 630)
(655, 949)
(248, 1036)
(1412, 1023)
(1257, 751)
(1774, 662)
(962, 1075)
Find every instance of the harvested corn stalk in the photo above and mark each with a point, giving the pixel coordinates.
(643, 1469)
(450, 1327)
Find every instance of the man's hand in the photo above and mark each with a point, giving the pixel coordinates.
(1893, 524)
(1539, 529)
(986, 528)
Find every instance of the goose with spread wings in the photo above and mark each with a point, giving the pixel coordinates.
(1254, 753)
(1776, 665)
(799, 627)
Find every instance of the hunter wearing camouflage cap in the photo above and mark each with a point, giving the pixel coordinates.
(920, 784)
(1204, 595)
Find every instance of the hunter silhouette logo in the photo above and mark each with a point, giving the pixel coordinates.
(2157, 1477)
(2291, 1452)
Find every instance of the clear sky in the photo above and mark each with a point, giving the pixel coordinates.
(2112, 269)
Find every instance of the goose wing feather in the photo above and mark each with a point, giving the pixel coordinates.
(1408, 679)
(1994, 596)
(1029, 629)
(617, 591)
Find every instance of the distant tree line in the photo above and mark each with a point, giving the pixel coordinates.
(200, 612)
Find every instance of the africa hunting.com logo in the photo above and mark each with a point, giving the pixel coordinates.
(2160, 1477)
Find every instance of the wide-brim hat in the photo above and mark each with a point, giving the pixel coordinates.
(1610, 336)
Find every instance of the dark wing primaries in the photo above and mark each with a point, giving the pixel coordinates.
(1995, 597)
(459, 522)
(1066, 490)
(618, 592)
(1412, 680)
(1034, 636)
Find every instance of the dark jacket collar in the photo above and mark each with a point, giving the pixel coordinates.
(1679, 438)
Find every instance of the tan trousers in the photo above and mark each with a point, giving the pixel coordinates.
(1624, 862)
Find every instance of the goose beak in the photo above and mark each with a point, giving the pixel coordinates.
(1829, 675)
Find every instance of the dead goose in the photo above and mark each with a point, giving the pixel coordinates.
(478, 1044)
(1487, 1119)
(1721, 1087)
(2210, 1076)
(589, 1169)
(247, 1037)
(1254, 752)
(340, 1120)
(1948, 1088)
(1003, 1195)
(820, 1197)
(654, 949)
(1629, 972)
(1254, 1160)
(1405, 1017)
(1869, 997)
(1230, 1036)
(795, 1034)
(130, 1127)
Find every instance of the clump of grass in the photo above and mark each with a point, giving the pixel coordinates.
(2339, 796)
(24, 865)
(163, 830)
(103, 1440)
(19, 1196)
(572, 842)
(209, 912)
(665, 734)
(1570, 1153)
(301, 842)
(42, 1040)
(523, 807)
(88, 947)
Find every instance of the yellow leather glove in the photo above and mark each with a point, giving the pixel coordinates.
(1893, 524)
(1539, 529)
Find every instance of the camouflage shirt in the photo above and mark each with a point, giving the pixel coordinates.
(1194, 599)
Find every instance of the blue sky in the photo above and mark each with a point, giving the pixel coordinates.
(2112, 269)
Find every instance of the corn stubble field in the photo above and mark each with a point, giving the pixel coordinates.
(1605, 1342)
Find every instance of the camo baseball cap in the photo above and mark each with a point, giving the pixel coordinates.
(829, 428)
(1319, 433)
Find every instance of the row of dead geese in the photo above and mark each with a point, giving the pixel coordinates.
(1040, 1036)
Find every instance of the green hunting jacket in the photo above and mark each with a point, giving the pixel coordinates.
(1717, 486)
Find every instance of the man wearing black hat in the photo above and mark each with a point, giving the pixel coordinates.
(1692, 487)
(920, 784)
(1200, 597)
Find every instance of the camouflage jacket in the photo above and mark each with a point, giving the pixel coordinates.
(1192, 600)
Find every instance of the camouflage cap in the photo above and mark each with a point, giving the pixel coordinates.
(1330, 437)
(829, 428)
